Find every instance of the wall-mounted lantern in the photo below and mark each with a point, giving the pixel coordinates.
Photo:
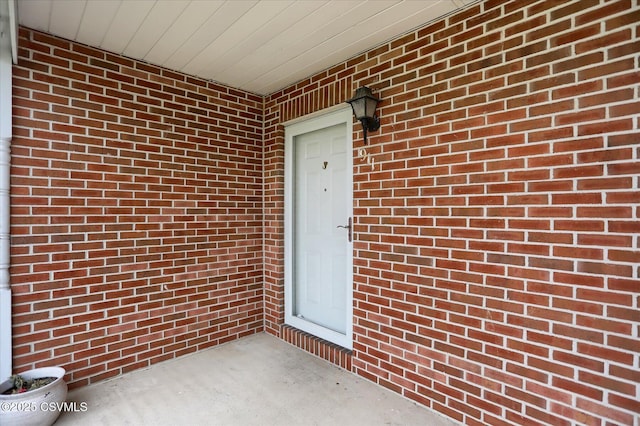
(364, 107)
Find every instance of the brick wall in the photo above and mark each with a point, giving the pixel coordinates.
(136, 211)
(497, 238)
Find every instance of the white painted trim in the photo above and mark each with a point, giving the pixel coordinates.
(309, 124)
(13, 28)
(7, 52)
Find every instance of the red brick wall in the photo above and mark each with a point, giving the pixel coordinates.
(496, 247)
(497, 239)
(136, 211)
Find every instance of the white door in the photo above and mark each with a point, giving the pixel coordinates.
(319, 234)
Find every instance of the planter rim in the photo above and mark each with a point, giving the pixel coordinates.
(57, 372)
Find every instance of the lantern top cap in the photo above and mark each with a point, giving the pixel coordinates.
(362, 92)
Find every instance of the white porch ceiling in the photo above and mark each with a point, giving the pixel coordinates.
(257, 45)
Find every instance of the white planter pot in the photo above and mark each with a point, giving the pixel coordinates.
(39, 407)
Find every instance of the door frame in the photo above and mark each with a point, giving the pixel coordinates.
(308, 124)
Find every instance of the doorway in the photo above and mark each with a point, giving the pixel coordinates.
(318, 226)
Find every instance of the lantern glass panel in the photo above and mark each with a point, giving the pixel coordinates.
(358, 107)
(370, 108)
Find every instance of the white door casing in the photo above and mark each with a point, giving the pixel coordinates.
(318, 253)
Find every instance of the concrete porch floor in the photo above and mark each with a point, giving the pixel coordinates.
(257, 380)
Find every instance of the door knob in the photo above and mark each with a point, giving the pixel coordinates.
(347, 227)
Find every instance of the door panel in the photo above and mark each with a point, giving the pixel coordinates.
(318, 199)
(320, 247)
